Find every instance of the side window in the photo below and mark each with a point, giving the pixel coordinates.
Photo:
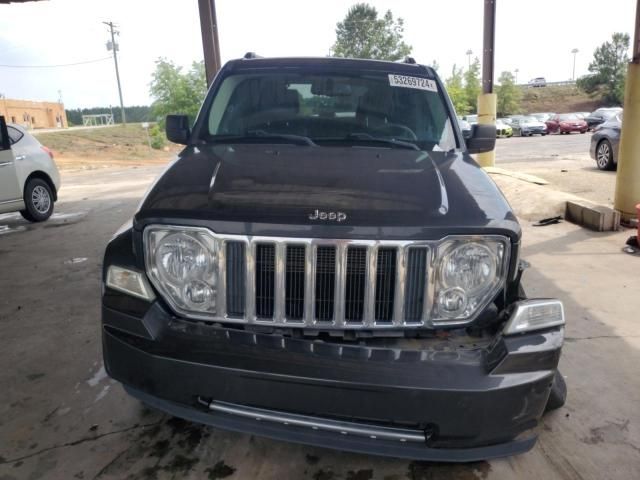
(14, 135)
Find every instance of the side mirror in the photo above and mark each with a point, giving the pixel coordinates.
(5, 143)
(177, 129)
(483, 139)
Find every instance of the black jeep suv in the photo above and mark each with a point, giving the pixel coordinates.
(325, 263)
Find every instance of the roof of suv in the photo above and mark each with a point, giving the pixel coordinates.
(334, 62)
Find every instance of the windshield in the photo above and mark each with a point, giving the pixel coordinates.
(331, 109)
(529, 119)
(564, 118)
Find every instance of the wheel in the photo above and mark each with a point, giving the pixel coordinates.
(604, 155)
(38, 199)
(583, 131)
(558, 394)
(543, 134)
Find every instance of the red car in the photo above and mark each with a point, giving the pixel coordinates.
(566, 123)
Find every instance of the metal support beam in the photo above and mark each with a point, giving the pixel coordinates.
(487, 101)
(210, 44)
(628, 175)
(488, 45)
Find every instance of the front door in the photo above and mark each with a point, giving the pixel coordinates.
(9, 187)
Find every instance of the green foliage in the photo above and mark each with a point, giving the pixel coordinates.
(158, 138)
(472, 85)
(135, 114)
(455, 88)
(363, 35)
(509, 95)
(175, 91)
(608, 70)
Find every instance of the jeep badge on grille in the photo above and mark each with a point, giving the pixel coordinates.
(333, 216)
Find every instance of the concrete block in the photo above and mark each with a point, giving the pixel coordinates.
(592, 216)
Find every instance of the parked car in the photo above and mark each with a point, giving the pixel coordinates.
(601, 115)
(29, 178)
(472, 119)
(542, 116)
(538, 82)
(347, 281)
(503, 130)
(526, 126)
(506, 120)
(465, 128)
(566, 123)
(605, 143)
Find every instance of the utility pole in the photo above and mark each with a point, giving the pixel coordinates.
(575, 52)
(469, 53)
(114, 48)
(210, 43)
(517, 70)
(487, 100)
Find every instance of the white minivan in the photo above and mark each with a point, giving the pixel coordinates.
(29, 178)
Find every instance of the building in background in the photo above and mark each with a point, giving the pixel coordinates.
(31, 114)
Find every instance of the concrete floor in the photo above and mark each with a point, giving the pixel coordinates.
(62, 418)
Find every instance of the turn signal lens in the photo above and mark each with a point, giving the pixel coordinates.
(532, 315)
(129, 282)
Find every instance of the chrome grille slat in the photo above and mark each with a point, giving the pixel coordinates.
(324, 284)
(399, 287)
(341, 278)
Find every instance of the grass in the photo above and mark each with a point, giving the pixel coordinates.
(115, 145)
(558, 99)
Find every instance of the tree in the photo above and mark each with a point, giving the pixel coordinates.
(509, 95)
(472, 85)
(176, 92)
(363, 35)
(455, 88)
(608, 70)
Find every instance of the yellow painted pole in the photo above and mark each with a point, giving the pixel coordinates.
(628, 175)
(487, 103)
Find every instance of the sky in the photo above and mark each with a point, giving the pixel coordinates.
(534, 37)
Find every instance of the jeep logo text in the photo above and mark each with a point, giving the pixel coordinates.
(332, 216)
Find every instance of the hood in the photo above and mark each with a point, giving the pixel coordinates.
(341, 187)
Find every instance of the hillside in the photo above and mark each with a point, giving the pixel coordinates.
(558, 99)
(103, 147)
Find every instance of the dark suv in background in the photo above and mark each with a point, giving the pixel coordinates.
(325, 263)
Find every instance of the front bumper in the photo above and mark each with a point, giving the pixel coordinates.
(450, 403)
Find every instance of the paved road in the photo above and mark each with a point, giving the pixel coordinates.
(62, 418)
(531, 149)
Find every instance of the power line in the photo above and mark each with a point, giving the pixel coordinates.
(57, 66)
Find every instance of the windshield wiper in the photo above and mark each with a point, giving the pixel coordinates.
(261, 135)
(367, 138)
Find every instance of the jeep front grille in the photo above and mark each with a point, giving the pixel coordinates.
(323, 284)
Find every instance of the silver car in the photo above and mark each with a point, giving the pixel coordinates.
(29, 178)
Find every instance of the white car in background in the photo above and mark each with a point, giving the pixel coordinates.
(29, 178)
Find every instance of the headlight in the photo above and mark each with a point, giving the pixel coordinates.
(469, 274)
(182, 264)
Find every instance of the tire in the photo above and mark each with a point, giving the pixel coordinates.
(558, 394)
(38, 198)
(604, 155)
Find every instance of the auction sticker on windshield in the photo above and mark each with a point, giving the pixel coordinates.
(412, 82)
